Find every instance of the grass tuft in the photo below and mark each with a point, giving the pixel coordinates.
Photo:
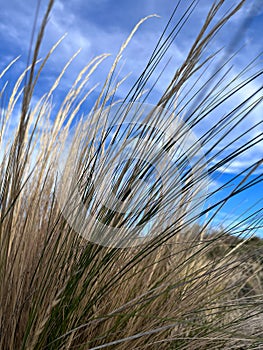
(77, 272)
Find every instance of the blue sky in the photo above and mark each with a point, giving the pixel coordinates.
(100, 26)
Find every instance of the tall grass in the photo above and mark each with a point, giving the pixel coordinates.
(66, 280)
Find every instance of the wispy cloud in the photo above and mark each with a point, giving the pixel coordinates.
(101, 27)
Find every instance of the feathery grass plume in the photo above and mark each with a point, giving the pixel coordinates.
(79, 270)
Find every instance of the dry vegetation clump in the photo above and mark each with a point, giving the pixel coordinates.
(185, 288)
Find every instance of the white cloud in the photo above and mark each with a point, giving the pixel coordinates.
(95, 38)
